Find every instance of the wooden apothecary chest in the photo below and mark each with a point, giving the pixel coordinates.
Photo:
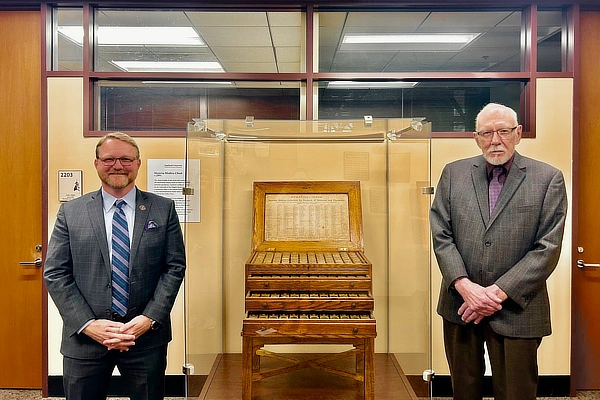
(307, 280)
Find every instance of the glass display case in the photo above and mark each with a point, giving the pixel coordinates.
(391, 160)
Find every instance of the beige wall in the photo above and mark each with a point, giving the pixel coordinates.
(216, 308)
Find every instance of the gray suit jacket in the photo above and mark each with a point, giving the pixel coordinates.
(77, 269)
(517, 247)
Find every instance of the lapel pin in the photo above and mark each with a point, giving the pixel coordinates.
(142, 207)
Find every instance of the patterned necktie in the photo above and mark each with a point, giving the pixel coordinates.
(120, 260)
(495, 187)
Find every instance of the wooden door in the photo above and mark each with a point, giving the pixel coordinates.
(20, 201)
(585, 373)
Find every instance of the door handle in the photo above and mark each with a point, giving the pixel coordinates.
(37, 262)
(581, 264)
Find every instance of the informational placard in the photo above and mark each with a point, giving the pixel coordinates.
(69, 184)
(168, 178)
(307, 217)
(356, 165)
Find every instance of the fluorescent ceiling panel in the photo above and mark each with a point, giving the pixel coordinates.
(187, 83)
(370, 85)
(137, 36)
(168, 66)
(412, 38)
(408, 42)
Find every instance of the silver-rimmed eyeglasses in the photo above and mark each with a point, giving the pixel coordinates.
(502, 132)
(110, 161)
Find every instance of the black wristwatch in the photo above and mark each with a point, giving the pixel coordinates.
(154, 325)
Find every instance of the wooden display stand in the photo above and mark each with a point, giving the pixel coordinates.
(307, 279)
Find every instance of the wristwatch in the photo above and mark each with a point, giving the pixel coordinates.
(154, 325)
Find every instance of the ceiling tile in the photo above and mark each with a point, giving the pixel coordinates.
(241, 36)
(287, 36)
(244, 54)
(288, 54)
(231, 19)
(285, 18)
(251, 67)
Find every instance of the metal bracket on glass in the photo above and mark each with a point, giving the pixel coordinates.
(427, 190)
(428, 375)
(415, 125)
(249, 121)
(393, 134)
(187, 191)
(220, 135)
(188, 369)
(368, 121)
(199, 124)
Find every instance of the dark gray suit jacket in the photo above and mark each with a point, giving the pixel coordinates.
(77, 269)
(517, 247)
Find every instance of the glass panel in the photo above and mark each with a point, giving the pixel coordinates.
(203, 285)
(451, 106)
(390, 158)
(409, 246)
(549, 41)
(168, 106)
(67, 49)
(194, 41)
(419, 41)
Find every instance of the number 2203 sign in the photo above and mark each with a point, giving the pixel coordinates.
(70, 185)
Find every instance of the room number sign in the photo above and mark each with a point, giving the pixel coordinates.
(69, 184)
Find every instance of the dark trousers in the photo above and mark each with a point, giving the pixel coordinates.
(513, 361)
(142, 372)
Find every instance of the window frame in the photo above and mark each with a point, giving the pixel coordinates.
(310, 78)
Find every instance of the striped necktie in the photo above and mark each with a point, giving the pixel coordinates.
(495, 187)
(120, 260)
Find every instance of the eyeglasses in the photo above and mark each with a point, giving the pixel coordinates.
(503, 133)
(125, 161)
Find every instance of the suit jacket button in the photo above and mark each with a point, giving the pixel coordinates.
(488, 243)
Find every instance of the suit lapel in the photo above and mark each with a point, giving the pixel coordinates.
(142, 208)
(95, 209)
(513, 181)
(478, 175)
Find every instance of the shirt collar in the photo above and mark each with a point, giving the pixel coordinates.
(108, 200)
(489, 167)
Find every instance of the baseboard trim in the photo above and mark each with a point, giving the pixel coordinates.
(548, 386)
(174, 386)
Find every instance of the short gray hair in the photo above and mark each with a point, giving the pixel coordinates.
(491, 107)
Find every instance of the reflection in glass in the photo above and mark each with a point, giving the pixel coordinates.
(67, 52)
(451, 106)
(170, 105)
(419, 41)
(193, 41)
(549, 41)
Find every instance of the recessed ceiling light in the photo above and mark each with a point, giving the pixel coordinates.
(187, 83)
(412, 38)
(370, 85)
(429, 42)
(168, 66)
(137, 35)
